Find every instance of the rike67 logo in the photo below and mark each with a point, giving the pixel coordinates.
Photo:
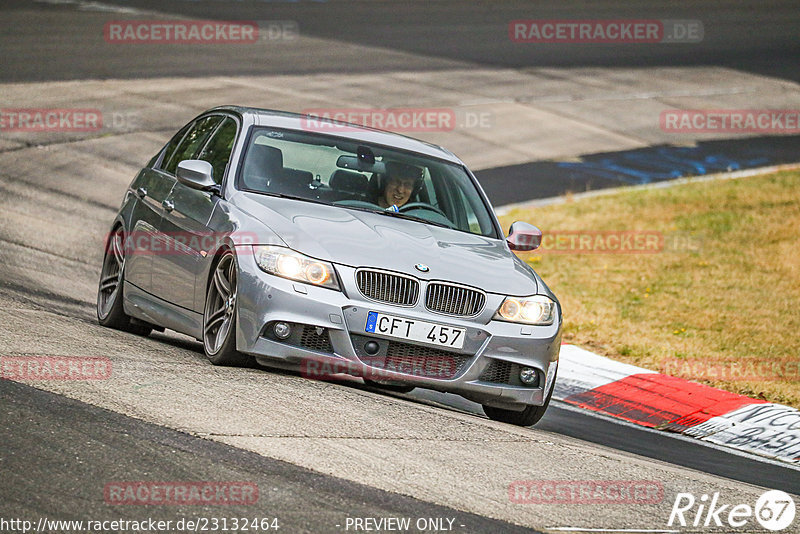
(774, 510)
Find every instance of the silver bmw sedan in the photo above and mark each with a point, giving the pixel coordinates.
(335, 250)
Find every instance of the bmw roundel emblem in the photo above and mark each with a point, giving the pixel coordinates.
(421, 267)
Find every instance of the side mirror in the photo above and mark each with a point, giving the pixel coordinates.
(197, 174)
(523, 237)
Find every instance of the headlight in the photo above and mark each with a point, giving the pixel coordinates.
(538, 309)
(287, 263)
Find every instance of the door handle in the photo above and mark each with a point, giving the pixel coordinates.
(141, 192)
(168, 205)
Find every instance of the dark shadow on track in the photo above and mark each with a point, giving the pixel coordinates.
(758, 37)
(663, 446)
(59, 454)
(668, 448)
(545, 179)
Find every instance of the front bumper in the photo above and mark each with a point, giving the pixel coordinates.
(333, 340)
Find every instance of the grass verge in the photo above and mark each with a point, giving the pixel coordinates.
(717, 300)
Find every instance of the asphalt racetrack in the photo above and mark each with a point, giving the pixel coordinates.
(324, 453)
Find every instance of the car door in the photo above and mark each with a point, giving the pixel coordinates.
(164, 245)
(185, 223)
(151, 187)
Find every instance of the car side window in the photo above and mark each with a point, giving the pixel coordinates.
(169, 150)
(429, 190)
(218, 149)
(191, 143)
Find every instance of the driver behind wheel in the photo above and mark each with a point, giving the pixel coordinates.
(398, 184)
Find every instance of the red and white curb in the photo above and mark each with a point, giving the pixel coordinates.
(663, 402)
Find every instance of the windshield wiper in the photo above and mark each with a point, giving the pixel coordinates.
(290, 197)
(388, 213)
(413, 218)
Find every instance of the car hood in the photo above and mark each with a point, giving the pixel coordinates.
(364, 239)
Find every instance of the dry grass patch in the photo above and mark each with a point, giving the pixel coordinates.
(719, 305)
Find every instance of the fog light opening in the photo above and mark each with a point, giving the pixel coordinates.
(529, 376)
(282, 330)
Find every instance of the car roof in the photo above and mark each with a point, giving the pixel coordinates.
(297, 121)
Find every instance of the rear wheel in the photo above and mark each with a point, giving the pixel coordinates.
(219, 317)
(527, 417)
(110, 311)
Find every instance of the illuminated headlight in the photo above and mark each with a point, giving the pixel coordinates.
(287, 263)
(538, 310)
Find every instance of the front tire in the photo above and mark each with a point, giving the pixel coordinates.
(219, 316)
(388, 386)
(110, 310)
(527, 417)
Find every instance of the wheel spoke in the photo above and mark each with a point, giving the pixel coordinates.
(232, 279)
(109, 282)
(117, 248)
(214, 318)
(223, 287)
(222, 333)
(231, 272)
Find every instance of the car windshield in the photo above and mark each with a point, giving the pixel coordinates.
(351, 174)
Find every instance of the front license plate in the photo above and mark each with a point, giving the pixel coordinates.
(415, 330)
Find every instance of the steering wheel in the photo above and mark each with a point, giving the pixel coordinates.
(421, 206)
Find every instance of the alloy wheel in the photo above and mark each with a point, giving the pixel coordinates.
(111, 274)
(220, 304)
